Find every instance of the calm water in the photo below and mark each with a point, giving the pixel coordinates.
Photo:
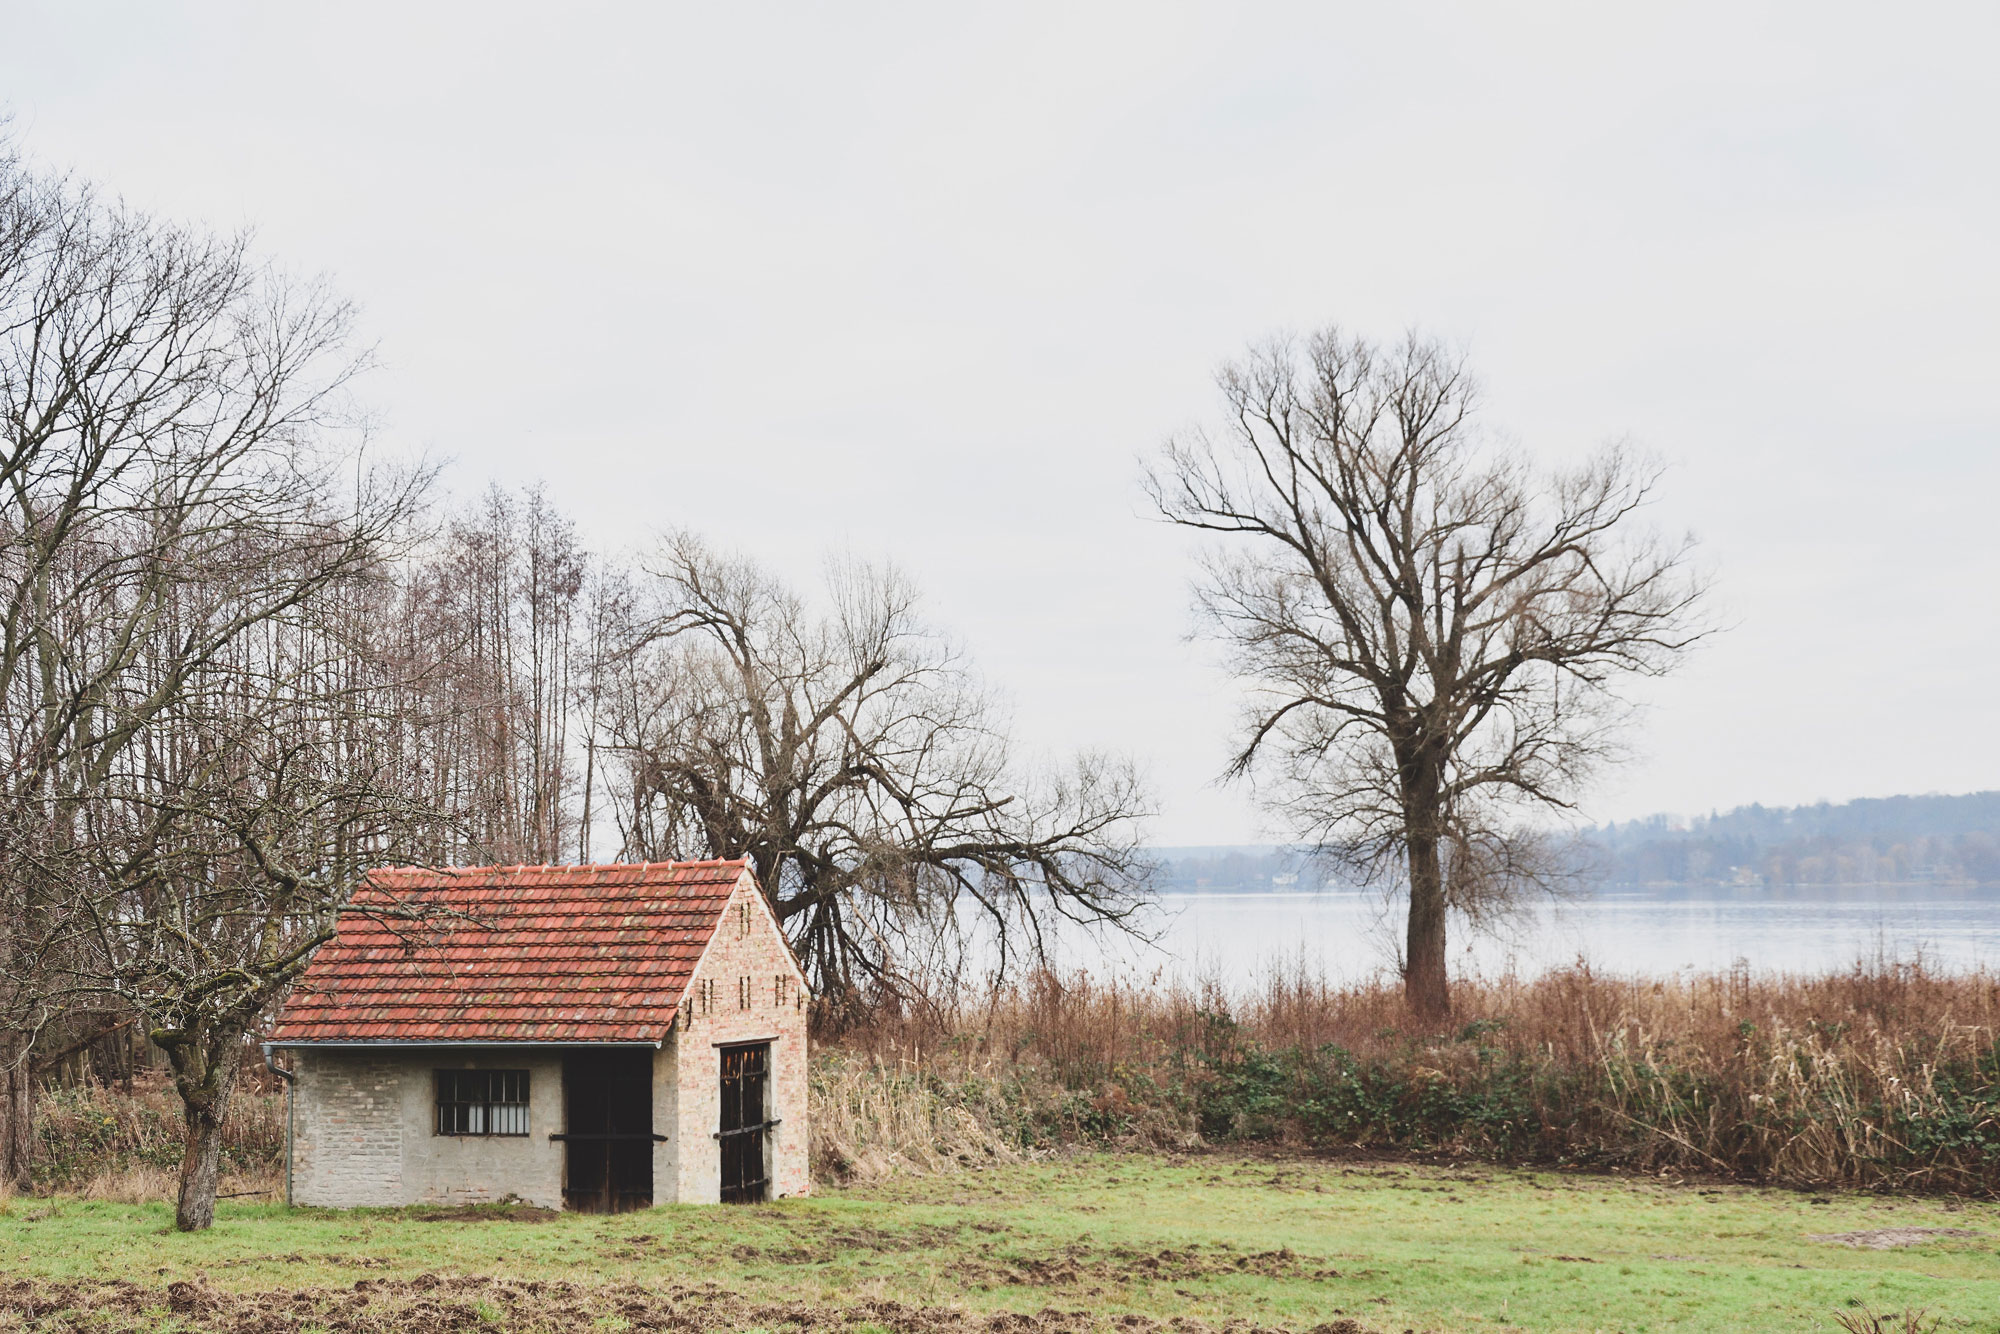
(1346, 935)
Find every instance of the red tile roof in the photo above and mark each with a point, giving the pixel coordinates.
(512, 954)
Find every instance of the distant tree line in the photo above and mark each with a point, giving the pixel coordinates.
(1932, 839)
(1240, 870)
(1887, 840)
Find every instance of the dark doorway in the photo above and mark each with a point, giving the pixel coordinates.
(745, 1079)
(608, 1129)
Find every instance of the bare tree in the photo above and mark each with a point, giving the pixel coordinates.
(848, 753)
(220, 852)
(499, 599)
(1432, 628)
(166, 404)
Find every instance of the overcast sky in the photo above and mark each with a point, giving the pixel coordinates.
(927, 282)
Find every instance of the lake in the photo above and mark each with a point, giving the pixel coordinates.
(1345, 934)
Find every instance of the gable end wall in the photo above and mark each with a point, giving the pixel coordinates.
(755, 950)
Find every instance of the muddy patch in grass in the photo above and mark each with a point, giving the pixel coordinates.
(483, 1213)
(447, 1304)
(1083, 1264)
(1891, 1238)
(1079, 1264)
(825, 1247)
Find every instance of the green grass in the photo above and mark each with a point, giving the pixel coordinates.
(1395, 1247)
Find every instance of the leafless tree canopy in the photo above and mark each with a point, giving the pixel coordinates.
(846, 749)
(240, 663)
(218, 853)
(497, 609)
(173, 500)
(1432, 627)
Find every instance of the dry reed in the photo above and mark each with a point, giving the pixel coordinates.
(871, 1119)
(1885, 1075)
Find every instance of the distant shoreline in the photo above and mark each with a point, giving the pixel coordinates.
(1654, 888)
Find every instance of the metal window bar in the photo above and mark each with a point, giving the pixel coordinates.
(482, 1102)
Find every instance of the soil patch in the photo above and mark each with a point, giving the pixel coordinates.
(826, 1247)
(448, 1304)
(1078, 1264)
(484, 1213)
(1081, 1264)
(1890, 1238)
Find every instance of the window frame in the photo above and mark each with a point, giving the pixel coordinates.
(459, 1116)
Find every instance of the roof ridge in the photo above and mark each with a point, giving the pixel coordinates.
(590, 867)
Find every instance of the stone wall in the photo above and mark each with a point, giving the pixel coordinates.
(365, 1127)
(753, 994)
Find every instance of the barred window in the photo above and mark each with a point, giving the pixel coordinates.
(482, 1102)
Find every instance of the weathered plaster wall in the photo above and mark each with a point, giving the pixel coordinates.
(744, 947)
(365, 1122)
(666, 1099)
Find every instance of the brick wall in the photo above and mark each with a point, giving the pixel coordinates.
(366, 1121)
(347, 1129)
(753, 994)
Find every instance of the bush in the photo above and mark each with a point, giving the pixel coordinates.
(99, 1139)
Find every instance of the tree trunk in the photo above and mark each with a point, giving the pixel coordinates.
(1424, 983)
(203, 1078)
(201, 1164)
(17, 1114)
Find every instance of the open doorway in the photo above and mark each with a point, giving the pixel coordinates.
(745, 1119)
(608, 1130)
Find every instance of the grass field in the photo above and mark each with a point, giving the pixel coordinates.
(1104, 1241)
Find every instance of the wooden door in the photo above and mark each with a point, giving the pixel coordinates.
(608, 1131)
(745, 1119)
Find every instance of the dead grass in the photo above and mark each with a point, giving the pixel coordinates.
(1886, 1075)
(107, 1142)
(144, 1183)
(872, 1119)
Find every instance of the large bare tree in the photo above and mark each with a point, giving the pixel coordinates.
(173, 476)
(1433, 629)
(219, 854)
(848, 752)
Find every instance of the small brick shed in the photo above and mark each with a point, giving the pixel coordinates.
(596, 1038)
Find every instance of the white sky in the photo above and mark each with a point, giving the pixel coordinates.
(926, 282)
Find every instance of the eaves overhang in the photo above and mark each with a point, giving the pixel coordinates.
(454, 1042)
